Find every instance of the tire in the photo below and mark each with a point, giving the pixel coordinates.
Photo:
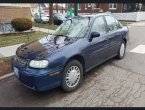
(121, 51)
(71, 82)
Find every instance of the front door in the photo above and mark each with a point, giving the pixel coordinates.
(97, 48)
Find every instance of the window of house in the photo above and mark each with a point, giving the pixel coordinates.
(85, 6)
(79, 8)
(112, 23)
(89, 4)
(113, 6)
(99, 26)
(96, 6)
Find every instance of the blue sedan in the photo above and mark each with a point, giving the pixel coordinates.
(62, 58)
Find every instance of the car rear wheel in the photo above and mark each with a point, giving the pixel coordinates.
(72, 76)
(121, 51)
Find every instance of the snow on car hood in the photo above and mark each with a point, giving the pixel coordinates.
(42, 47)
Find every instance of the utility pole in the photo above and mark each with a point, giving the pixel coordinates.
(56, 7)
(51, 13)
(76, 9)
(39, 11)
(92, 6)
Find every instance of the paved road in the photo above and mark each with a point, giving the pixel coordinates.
(114, 83)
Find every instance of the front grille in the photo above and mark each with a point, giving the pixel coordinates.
(20, 61)
(27, 80)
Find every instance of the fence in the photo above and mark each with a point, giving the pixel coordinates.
(130, 16)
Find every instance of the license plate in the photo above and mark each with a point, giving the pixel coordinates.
(16, 72)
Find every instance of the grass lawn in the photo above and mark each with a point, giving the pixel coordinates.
(125, 23)
(7, 40)
(52, 26)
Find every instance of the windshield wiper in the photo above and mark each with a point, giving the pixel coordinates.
(70, 20)
(61, 35)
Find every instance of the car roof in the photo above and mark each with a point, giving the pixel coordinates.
(95, 15)
(91, 16)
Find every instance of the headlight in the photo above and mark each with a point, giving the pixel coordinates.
(38, 64)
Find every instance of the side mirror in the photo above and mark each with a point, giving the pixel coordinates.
(95, 34)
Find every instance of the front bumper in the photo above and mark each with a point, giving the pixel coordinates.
(38, 79)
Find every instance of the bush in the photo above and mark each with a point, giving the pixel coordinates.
(21, 24)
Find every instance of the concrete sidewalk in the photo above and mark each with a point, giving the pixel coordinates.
(8, 50)
(43, 29)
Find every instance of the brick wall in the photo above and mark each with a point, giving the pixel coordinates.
(7, 13)
(102, 6)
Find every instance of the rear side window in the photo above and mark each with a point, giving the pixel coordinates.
(112, 23)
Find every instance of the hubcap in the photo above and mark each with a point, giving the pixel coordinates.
(122, 49)
(72, 76)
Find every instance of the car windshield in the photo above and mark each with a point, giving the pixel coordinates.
(73, 28)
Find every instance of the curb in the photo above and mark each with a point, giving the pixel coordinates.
(6, 76)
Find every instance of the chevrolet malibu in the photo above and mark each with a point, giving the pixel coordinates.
(62, 58)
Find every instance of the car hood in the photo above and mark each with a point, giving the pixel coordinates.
(42, 47)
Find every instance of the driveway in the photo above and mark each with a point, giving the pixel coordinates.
(114, 83)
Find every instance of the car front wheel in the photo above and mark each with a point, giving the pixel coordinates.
(121, 51)
(72, 76)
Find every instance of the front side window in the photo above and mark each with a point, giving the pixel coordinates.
(112, 23)
(99, 26)
(73, 28)
(113, 6)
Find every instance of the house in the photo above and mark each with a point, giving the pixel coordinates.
(87, 8)
(9, 11)
(98, 7)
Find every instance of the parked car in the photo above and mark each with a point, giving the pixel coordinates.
(58, 18)
(62, 58)
(43, 19)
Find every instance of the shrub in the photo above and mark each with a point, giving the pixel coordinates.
(21, 24)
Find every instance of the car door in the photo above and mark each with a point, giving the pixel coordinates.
(97, 48)
(114, 35)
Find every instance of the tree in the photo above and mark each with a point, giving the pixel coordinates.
(143, 7)
(62, 8)
(130, 7)
(56, 7)
(51, 13)
(76, 9)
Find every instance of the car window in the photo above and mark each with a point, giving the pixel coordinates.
(119, 24)
(99, 26)
(112, 23)
(74, 28)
